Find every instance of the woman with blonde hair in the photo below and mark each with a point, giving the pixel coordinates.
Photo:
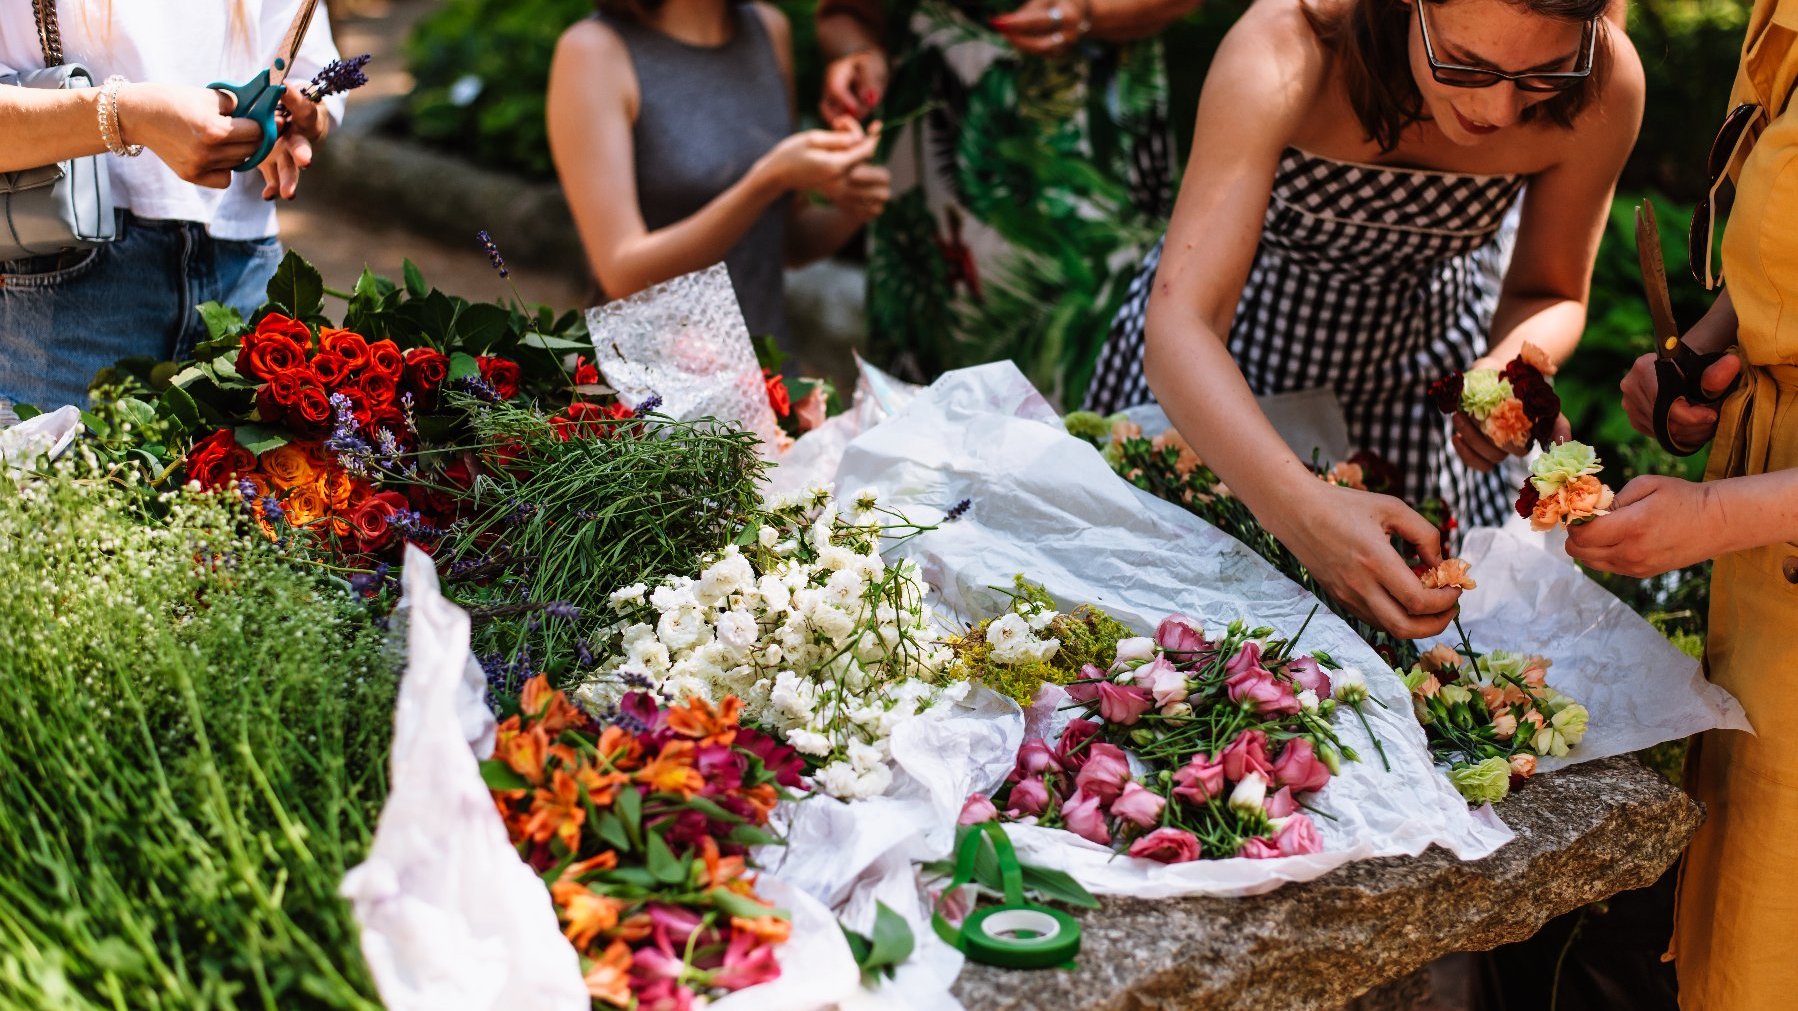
(189, 229)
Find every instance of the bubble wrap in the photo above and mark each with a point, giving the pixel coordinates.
(685, 341)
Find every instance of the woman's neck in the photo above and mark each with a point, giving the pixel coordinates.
(695, 22)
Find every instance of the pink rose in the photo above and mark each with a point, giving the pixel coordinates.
(1164, 681)
(811, 409)
(1137, 648)
(1261, 691)
(1083, 816)
(1181, 636)
(1072, 752)
(1310, 676)
(1036, 757)
(1029, 797)
(1123, 705)
(1087, 688)
(1258, 848)
(1279, 804)
(977, 809)
(1299, 767)
(1246, 754)
(1168, 845)
(1247, 658)
(1138, 805)
(1199, 780)
(1298, 837)
(1105, 772)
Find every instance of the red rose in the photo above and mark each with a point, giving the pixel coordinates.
(378, 388)
(281, 392)
(263, 355)
(391, 418)
(777, 393)
(372, 521)
(458, 473)
(276, 324)
(384, 357)
(580, 420)
(332, 369)
(215, 460)
(310, 415)
(585, 373)
(346, 343)
(501, 374)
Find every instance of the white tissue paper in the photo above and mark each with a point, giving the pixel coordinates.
(1640, 690)
(1045, 504)
(44, 435)
(451, 919)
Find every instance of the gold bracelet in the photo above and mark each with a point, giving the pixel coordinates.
(110, 130)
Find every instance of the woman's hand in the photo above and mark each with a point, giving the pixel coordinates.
(862, 192)
(1046, 27)
(1656, 524)
(189, 128)
(1690, 424)
(306, 125)
(815, 159)
(1481, 453)
(1344, 537)
(853, 85)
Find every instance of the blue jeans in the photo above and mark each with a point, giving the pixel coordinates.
(67, 316)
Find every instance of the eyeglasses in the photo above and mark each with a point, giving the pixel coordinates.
(1457, 76)
(1701, 240)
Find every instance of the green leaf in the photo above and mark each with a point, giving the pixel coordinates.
(480, 326)
(611, 830)
(749, 835)
(741, 905)
(460, 366)
(549, 343)
(1049, 883)
(711, 810)
(500, 776)
(96, 424)
(432, 317)
(859, 945)
(25, 412)
(630, 809)
(222, 321)
(297, 288)
(415, 279)
(663, 864)
(893, 940)
(259, 439)
(749, 534)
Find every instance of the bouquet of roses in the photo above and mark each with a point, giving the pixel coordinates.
(641, 823)
(1490, 716)
(1232, 733)
(802, 619)
(1563, 488)
(1512, 406)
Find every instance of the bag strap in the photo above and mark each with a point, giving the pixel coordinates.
(49, 35)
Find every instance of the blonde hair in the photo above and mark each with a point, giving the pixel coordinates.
(240, 22)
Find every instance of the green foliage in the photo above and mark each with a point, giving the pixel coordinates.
(482, 68)
(880, 956)
(193, 739)
(1689, 50)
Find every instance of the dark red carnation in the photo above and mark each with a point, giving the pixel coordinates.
(777, 393)
(217, 459)
(384, 357)
(332, 369)
(1445, 393)
(1527, 498)
(1377, 473)
(346, 343)
(501, 374)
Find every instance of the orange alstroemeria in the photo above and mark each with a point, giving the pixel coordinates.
(586, 913)
(696, 718)
(601, 787)
(722, 871)
(603, 862)
(772, 929)
(609, 976)
(547, 707)
(762, 797)
(557, 812)
(524, 750)
(620, 748)
(672, 771)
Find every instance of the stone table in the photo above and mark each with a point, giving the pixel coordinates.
(1582, 834)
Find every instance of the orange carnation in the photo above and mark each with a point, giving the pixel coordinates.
(1451, 573)
(1549, 511)
(1586, 497)
(1508, 426)
(1537, 358)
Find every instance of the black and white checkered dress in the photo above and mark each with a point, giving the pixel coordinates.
(1370, 280)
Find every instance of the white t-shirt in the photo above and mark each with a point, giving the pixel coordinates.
(176, 42)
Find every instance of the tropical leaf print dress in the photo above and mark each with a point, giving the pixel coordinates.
(1026, 190)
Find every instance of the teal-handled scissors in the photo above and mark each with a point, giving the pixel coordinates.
(259, 99)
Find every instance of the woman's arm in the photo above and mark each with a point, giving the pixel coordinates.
(592, 103)
(1265, 76)
(183, 125)
(855, 56)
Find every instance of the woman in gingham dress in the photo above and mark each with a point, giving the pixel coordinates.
(1342, 225)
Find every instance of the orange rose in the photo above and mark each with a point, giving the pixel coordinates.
(305, 504)
(1586, 497)
(288, 465)
(1549, 511)
(1508, 426)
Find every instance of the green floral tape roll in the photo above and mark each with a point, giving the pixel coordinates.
(1021, 936)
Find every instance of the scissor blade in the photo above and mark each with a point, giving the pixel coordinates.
(290, 44)
(1654, 279)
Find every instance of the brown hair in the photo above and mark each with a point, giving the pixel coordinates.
(1372, 39)
(627, 10)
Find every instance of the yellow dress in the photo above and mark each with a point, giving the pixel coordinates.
(1738, 897)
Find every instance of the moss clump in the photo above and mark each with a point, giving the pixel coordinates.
(1087, 635)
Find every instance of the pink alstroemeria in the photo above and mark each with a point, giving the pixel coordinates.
(678, 922)
(1169, 845)
(1084, 816)
(1298, 837)
(1246, 754)
(664, 995)
(1138, 805)
(1199, 780)
(1123, 705)
(1310, 675)
(1105, 772)
(1028, 797)
(977, 809)
(749, 960)
(1279, 804)
(1259, 848)
(1299, 767)
(1181, 636)
(1164, 681)
(657, 960)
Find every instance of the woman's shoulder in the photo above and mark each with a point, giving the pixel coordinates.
(593, 61)
(591, 38)
(1273, 55)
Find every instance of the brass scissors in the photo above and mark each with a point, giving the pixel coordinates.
(1678, 369)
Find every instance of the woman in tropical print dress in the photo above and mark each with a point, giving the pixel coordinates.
(1032, 166)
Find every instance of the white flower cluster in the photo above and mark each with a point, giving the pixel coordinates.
(825, 643)
(1014, 636)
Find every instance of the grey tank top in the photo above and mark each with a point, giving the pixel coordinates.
(706, 114)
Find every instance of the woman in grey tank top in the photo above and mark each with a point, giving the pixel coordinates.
(671, 124)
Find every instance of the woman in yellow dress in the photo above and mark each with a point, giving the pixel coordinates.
(1738, 911)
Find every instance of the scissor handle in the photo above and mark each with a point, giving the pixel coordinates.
(1680, 376)
(256, 101)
